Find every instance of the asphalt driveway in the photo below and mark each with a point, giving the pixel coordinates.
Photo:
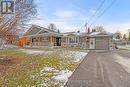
(102, 69)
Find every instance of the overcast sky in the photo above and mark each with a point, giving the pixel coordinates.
(71, 15)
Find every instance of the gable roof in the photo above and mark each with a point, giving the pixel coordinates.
(35, 29)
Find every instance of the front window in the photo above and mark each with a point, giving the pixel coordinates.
(72, 40)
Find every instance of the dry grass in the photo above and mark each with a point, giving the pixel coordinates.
(16, 68)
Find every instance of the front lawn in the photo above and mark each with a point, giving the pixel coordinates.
(18, 69)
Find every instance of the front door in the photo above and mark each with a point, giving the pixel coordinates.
(58, 41)
(92, 43)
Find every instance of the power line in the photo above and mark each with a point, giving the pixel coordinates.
(95, 13)
(103, 12)
(97, 10)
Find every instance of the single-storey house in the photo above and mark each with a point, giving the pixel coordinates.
(40, 37)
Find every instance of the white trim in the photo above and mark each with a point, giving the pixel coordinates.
(40, 31)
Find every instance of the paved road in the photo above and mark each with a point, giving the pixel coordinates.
(100, 69)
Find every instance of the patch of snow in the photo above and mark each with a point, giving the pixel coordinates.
(49, 69)
(4, 46)
(125, 62)
(127, 47)
(116, 39)
(44, 84)
(35, 52)
(95, 33)
(75, 55)
(78, 56)
(11, 46)
(62, 77)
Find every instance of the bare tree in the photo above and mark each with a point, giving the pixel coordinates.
(98, 29)
(12, 24)
(52, 27)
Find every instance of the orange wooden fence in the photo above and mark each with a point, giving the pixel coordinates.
(22, 41)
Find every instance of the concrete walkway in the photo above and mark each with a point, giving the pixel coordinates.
(100, 69)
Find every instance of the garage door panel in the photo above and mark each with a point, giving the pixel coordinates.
(102, 43)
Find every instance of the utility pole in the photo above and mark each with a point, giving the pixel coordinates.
(88, 30)
(86, 27)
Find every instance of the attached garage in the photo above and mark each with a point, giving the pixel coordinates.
(100, 42)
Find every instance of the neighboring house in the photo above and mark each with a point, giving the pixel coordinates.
(41, 37)
(121, 40)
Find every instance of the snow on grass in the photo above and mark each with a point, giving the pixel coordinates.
(127, 47)
(58, 77)
(5, 46)
(36, 52)
(75, 55)
(62, 77)
(49, 69)
(125, 62)
(55, 76)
